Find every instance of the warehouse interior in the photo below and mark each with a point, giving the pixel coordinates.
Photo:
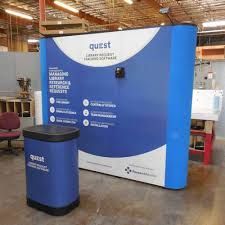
(129, 91)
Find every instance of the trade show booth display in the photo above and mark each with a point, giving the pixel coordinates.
(129, 92)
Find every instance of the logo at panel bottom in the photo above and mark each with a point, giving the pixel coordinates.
(140, 171)
(128, 170)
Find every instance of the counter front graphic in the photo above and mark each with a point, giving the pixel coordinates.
(130, 93)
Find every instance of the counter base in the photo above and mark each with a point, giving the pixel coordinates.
(51, 210)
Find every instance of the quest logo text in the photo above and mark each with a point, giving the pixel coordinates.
(37, 158)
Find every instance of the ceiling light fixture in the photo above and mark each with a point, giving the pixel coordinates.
(65, 6)
(19, 14)
(120, 28)
(32, 41)
(214, 23)
(130, 2)
(162, 24)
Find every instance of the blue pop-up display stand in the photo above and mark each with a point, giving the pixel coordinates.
(130, 94)
(52, 177)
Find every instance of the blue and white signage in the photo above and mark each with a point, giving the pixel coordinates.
(135, 126)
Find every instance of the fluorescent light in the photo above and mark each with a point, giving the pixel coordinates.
(16, 13)
(63, 5)
(214, 23)
(32, 41)
(130, 2)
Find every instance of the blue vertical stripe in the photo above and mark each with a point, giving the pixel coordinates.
(179, 105)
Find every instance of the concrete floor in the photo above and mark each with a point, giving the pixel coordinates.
(107, 200)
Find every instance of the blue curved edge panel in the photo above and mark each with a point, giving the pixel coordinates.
(135, 127)
(179, 105)
(44, 80)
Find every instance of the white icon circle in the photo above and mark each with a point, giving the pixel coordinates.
(85, 102)
(85, 112)
(52, 119)
(52, 109)
(86, 123)
(52, 100)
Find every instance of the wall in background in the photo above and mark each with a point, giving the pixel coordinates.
(217, 67)
(13, 64)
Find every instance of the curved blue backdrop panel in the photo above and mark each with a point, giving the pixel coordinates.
(135, 126)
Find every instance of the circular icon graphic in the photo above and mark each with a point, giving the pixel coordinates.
(52, 100)
(85, 112)
(86, 123)
(85, 102)
(52, 109)
(52, 119)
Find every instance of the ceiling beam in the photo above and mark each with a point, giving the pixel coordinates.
(42, 16)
